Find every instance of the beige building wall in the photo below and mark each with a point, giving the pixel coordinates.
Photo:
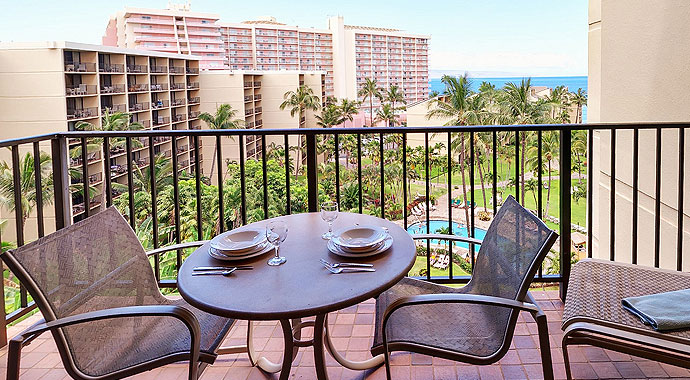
(638, 71)
(219, 87)
(416, 117)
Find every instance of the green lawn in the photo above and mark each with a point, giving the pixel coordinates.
(420, 263)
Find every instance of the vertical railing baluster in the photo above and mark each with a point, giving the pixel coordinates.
(517, 166)
(681, 182)
(336, 143)
(130, 182)
(197, 177)
(154, 208)
(18, 212)
(288, 207)
(106, 169)
(404, 177)
(85, 178)
(38, 186)
(243, 184)
(494, 154)
(176, 199)
(221, 203)
(565, 209)
(635, 194)
(612, 242)
(62, 198)
(540, 185)
(590, 191)
(383, 186)
(657, 201)
(470, 228)
(450, 204)
(264, 175)
(312, 174)
(427, 203)
(359, 169)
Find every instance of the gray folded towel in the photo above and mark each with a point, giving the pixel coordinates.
(662, 311)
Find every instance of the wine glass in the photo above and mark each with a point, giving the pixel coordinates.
(276, 232)
(329, 213)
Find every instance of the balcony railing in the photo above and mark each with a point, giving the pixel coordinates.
(193, 100)
(112, 88)
(177, 102)
(111, 68)
(159, 86)
(138, 87)
(159, 69)
(194, 114)
(136, 107)
(423, 181)
(177, 70)
(193, 85)
(80, 67)
(82, 113)
(81, 89)
(137, 69)
(192, 70)
(159, 104)
(177, 86)
(114, 108)
(161, 120)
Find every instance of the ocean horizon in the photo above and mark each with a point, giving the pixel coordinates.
(571, 82)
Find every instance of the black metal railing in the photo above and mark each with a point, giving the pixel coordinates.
(355, 156)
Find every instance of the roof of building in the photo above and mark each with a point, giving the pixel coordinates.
(371, 28)
(267, 22)
(90, 47)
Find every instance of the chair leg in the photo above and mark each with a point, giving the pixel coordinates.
(566, 359)
(13, 357)
(544, 346)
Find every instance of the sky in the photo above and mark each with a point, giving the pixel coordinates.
(483, 37)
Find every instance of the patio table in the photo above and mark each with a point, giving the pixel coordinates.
(300, 288)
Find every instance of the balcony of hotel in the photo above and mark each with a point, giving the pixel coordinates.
(112, 88)
(82, 113)
(81, 90)
(84, 67)
(138, 107)
(421, 192)
(137, 69)
(111, 68)
(138, 87)
(113, 108)
(159, 104)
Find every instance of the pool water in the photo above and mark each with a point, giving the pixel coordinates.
(435, 225)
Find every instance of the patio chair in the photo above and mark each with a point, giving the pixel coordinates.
(95, 287)
(593, 313)
(473, 324)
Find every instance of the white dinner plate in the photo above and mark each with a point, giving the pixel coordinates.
(219, 256)
(359, 238)
(333, 248)
(241, 241)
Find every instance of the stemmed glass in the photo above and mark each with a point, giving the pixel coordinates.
(329, 213)
(276, 232)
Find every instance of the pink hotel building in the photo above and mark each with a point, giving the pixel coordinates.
(347, 54)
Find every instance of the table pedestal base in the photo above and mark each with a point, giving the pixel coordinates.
(292, 333)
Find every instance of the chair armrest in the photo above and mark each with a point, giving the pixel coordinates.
(189, 244)
(184, 315)
(425, 299)
(446, 237)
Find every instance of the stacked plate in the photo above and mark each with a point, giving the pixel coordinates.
(239, 244)
(360, 241)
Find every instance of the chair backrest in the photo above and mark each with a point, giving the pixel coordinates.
(511, 252)
(95, 264)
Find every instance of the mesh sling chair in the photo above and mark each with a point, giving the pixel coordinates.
(95, 287)
(473, 324)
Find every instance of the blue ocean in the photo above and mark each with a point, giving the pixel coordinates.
(573, 83)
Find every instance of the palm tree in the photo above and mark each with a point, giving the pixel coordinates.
(222, 119)
(550, 153)
(27, 184)
(331, 115)
(394, 95)
(579, 147)
(348, 109)
(579, 98)
(370, 90)
(110, 122)
(387, 114)
(162, 169)
(299, 102)
(520, 108)
(455, 106)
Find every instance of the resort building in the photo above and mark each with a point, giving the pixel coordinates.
(53, 86)
(173, 30)
(390, 56)
(638, 73)
(256, 96)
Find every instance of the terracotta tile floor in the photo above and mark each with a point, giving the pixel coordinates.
(352, 330)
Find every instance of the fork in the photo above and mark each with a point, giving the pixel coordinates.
(208, 273)
(348, 269)
(336, 265)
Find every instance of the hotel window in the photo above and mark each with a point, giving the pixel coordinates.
(146, 17)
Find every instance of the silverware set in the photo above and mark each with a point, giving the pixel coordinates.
(222, 271)
(337, 268)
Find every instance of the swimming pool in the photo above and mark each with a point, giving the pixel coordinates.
(435, 225)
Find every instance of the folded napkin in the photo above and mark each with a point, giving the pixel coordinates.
(662, 311)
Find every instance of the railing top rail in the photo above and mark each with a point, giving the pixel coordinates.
(344, 131)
